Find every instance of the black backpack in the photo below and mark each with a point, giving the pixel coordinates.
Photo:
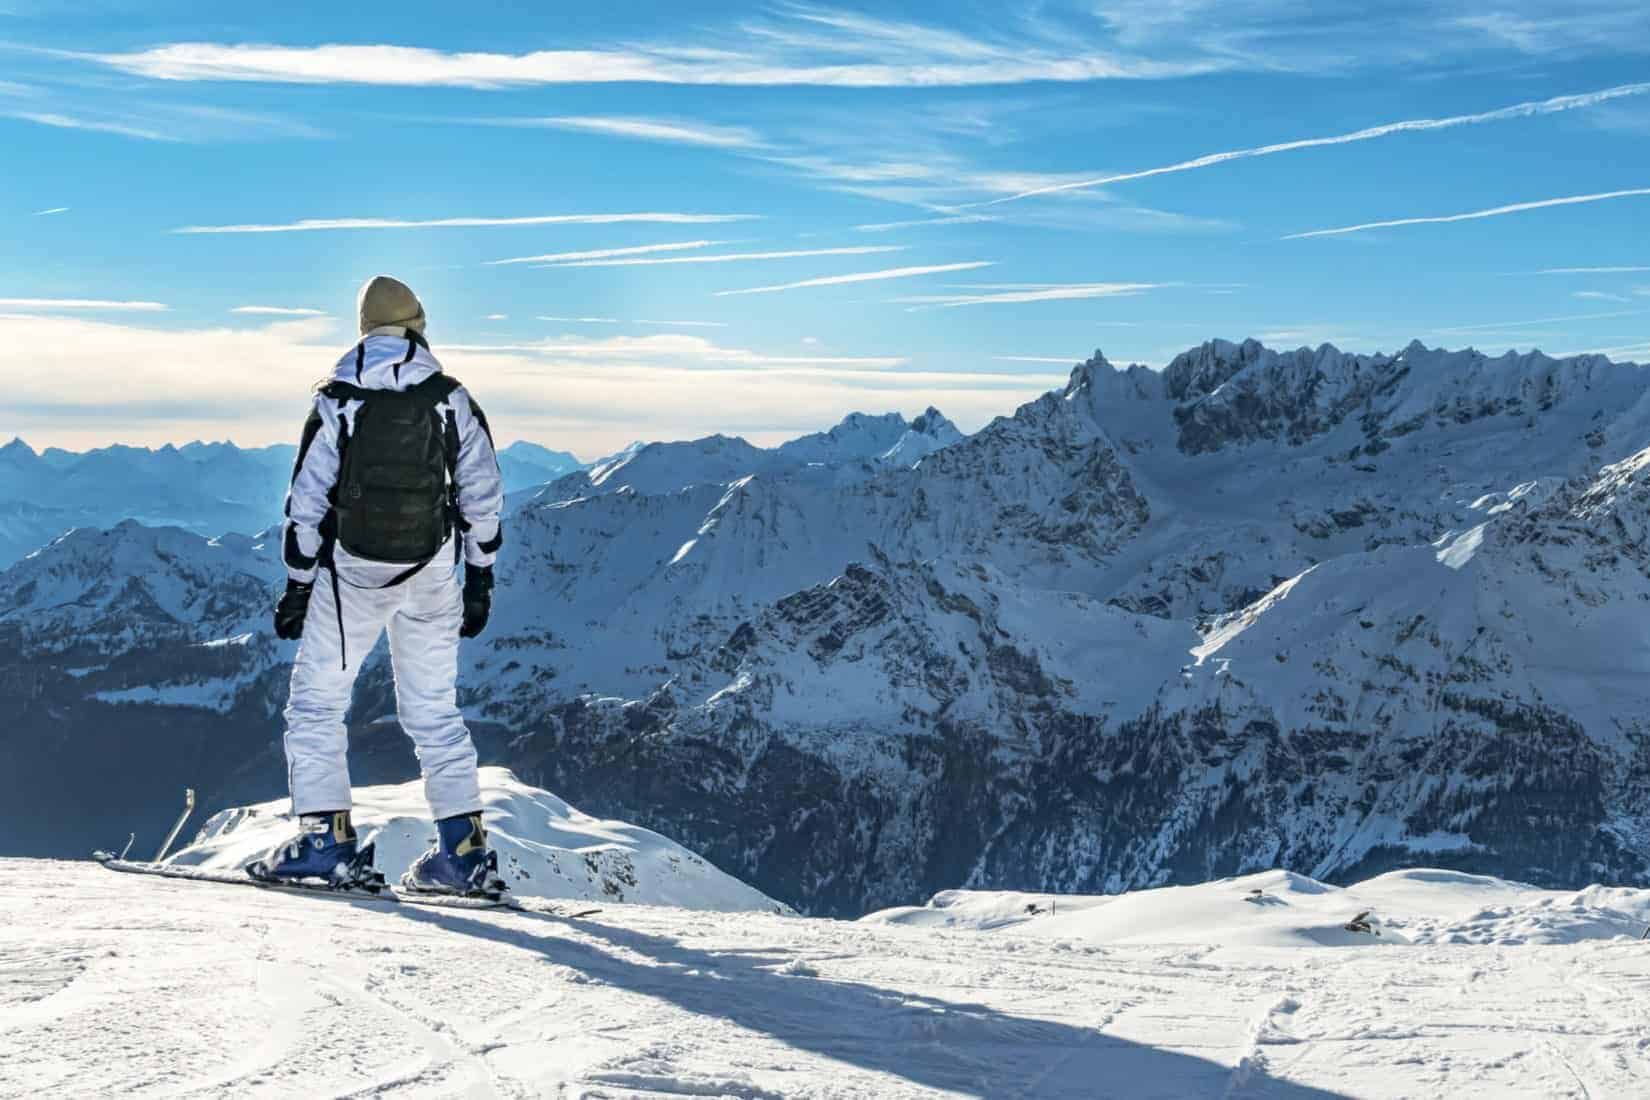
(396, 495)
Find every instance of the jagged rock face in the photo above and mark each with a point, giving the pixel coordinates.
(1331, 612)
(1230, 394)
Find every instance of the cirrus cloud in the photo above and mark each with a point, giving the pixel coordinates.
(1493, 212)
(92, 305)
(313, 225)
(861, 277)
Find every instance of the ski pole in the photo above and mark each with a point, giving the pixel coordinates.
(188, 808)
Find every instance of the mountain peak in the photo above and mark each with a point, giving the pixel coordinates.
(932, 422)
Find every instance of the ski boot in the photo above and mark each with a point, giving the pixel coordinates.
(460, 863)
(325, 853)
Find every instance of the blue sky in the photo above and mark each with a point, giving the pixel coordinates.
(883, 207)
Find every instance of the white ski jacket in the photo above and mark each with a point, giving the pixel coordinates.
(389, 358)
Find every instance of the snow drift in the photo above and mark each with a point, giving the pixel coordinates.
(546, 848)
(1283, 909)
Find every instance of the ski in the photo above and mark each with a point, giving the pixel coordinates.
(452, 901)
(239, 878)
(542, 907)
(392, 895)
(546, 908)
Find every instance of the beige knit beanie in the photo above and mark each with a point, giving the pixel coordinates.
(387, 301)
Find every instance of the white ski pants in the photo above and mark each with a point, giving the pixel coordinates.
(422, 615)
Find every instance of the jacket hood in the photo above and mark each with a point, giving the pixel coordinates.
(390, 358)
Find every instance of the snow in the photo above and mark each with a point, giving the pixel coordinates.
(1458, 551)
(1284, 909)
(113, 984)
(546, 848)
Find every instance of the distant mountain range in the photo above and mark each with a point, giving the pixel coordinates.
(1333, 612)
(209, 488)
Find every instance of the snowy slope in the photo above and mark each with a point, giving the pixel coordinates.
(111, 984)
(1283, 909)
(546, 848)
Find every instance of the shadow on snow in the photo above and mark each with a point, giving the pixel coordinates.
(968, 1049)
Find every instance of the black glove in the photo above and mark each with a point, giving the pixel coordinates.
(478, 599)
(290, 612)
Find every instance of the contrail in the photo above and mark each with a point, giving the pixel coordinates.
(861, 277)
(1517, 110)
(1493, 212)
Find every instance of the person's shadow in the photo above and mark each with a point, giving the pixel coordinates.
(960, 1048)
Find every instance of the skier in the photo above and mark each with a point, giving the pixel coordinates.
(396, 479)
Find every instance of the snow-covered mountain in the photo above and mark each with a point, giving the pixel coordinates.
(208, 488)
(857, 448)
(1332, 612)
(526, 464)
(546, 848)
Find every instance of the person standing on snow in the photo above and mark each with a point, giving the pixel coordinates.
(396, 479)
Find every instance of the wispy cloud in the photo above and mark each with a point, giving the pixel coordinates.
(1599, 295)
(279, 311)
(738, 257)
(497, 317)
(171, 122)
(684, 324)
(642, 129)
(1498, 326)
(1623, 349)
(1036, 293)
(54, 305)
(861, 277)
(1547, 32)
(1493, 212)
(102, 126)
(1413, 125)
(681, 347)
(638, 321)
(1066, 359)
(800, 46)
(954, 190)
(1583, 271)
(949, 219)
(603, 253)
(53, 210)
(311, 225)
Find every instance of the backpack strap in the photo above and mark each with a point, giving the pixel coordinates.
(342, 392)
(450, 444)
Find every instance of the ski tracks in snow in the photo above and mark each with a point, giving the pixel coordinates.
(142, 987)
